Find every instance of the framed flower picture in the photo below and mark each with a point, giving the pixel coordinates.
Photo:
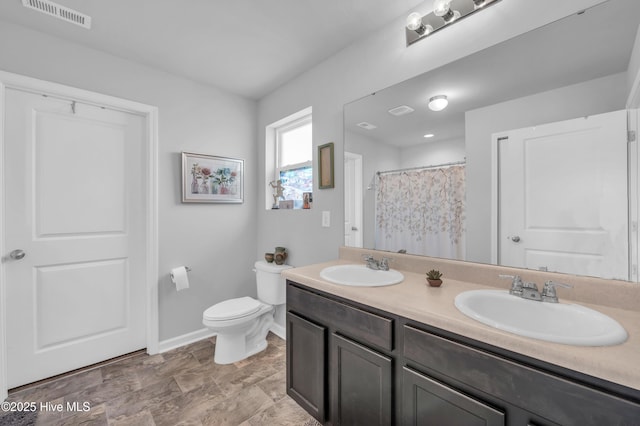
(212, 179)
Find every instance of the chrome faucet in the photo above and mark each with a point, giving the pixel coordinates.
(516, 284)
(549, 291)
(530, 290)
(382, 265)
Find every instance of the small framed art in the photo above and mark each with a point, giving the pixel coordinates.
(325, 166)
(212, 179)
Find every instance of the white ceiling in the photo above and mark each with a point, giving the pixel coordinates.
(249, 47)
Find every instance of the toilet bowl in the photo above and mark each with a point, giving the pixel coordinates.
(242, 324)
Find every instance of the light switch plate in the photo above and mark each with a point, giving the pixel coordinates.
(326, 218)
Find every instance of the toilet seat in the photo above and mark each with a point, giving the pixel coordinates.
(232, 309)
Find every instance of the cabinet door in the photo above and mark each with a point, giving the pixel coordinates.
(306, 364)
(361, 384)
(428, 402)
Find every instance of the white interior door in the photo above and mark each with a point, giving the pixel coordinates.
(563, 196)
(353, 200)
(74, 206)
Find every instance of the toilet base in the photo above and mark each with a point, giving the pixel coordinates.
(234, 347)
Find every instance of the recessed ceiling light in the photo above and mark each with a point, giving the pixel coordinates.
(429, 135)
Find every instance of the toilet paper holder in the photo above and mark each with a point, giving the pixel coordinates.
(186, 268)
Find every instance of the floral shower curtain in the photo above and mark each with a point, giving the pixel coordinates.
(422, 211)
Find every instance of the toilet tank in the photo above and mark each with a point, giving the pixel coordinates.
(271, 285)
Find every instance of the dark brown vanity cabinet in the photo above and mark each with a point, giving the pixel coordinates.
(348, 364)
(360, 384)
(527, 394)
(347, 354)
(306, 364)
(427, 401)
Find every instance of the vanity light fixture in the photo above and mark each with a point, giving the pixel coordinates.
(438, 103)
(445, 12)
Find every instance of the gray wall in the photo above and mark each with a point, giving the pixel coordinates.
(578, 100)
(216, 240)
(376, 157)
(378, 60)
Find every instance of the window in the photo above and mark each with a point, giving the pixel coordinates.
(292, 166)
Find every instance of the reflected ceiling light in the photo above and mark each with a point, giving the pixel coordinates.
(438, 103)
(429, 135)
(445, 12)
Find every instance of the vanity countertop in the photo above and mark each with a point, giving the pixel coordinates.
(415, 300)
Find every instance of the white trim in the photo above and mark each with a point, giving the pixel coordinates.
(279, 331)
(495, 197)
(634, 188)
(150, 113)
(185, 339)
(3, 320)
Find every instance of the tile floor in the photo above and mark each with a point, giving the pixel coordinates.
(180, 387)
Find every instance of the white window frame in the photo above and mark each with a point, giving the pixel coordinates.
(272, 169)
(294, 124)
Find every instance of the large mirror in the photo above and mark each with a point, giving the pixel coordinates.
(579, 66)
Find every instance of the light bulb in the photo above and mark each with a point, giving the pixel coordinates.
(438, 103)
(414, 21)
(441, 7)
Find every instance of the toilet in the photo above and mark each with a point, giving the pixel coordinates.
(242, 323)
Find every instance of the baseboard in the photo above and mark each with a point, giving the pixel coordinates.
(185, 339)
(279, 331)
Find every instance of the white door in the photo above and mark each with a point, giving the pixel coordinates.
(74, 207)
(353, 236)
(563, 197)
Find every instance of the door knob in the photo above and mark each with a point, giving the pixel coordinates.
(17, 254)
(515, 239)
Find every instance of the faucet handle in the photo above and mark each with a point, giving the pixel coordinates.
(384, 263)
(516, 284)
(549, 291)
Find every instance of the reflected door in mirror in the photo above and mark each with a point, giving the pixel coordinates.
(563, 196)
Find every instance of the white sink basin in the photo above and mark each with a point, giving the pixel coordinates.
(554, 322)
(360, 276)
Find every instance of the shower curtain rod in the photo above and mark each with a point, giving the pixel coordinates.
(433, 166)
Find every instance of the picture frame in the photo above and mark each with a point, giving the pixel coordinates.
(325, 166)
(212, 179)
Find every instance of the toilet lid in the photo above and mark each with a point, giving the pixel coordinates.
(232, 308)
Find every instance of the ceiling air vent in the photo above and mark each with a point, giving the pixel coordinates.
(366, 125)
(401, 110)
(60, 12)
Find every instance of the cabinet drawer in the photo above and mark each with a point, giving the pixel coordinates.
(362, 326)
(427, 401)
(561, 400)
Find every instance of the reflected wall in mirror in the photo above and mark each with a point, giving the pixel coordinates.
(583, 65)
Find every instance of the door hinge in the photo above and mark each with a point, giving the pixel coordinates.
(631, 136)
